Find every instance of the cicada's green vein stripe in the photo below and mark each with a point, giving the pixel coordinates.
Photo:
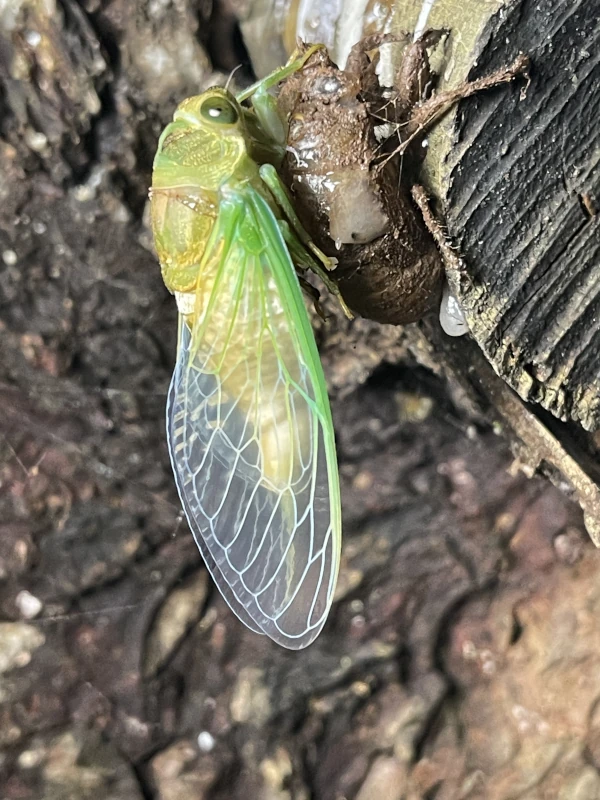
(300, 321)
(307, 343)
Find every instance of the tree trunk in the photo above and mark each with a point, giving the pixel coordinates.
(461, 658)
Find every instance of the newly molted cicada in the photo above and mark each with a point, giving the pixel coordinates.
(249, 425)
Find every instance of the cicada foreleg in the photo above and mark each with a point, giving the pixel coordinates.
(425, 114)
(270, 132)
(295, 62)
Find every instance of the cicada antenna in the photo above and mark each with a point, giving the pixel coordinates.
(231, 74)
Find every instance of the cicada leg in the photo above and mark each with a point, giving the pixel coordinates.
(450, 256)
(433, 108)
(423, 115)
(295, 62)
(265, 111)
(303, 260)
(271, 177)
(312, 292)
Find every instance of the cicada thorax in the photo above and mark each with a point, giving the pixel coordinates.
(182, 220)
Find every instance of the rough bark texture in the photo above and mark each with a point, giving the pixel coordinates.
(516, 174)
(462, 657)
(532, 294)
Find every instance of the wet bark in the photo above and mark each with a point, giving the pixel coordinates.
(462, 652)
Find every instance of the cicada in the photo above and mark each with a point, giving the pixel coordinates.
(249, 425)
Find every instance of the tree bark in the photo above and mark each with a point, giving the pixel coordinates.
(462, 652)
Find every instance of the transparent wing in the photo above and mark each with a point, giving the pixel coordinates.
(250, 433)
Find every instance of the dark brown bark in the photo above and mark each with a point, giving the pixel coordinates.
(533, 246)
(463, 648)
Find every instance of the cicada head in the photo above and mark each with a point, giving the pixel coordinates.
(204, 146)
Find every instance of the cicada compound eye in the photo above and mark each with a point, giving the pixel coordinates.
(220, 110)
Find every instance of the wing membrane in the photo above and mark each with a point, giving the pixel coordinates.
(250, 433)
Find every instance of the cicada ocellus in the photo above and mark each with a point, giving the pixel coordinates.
(249, 425)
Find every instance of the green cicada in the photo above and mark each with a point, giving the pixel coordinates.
(249, 425)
